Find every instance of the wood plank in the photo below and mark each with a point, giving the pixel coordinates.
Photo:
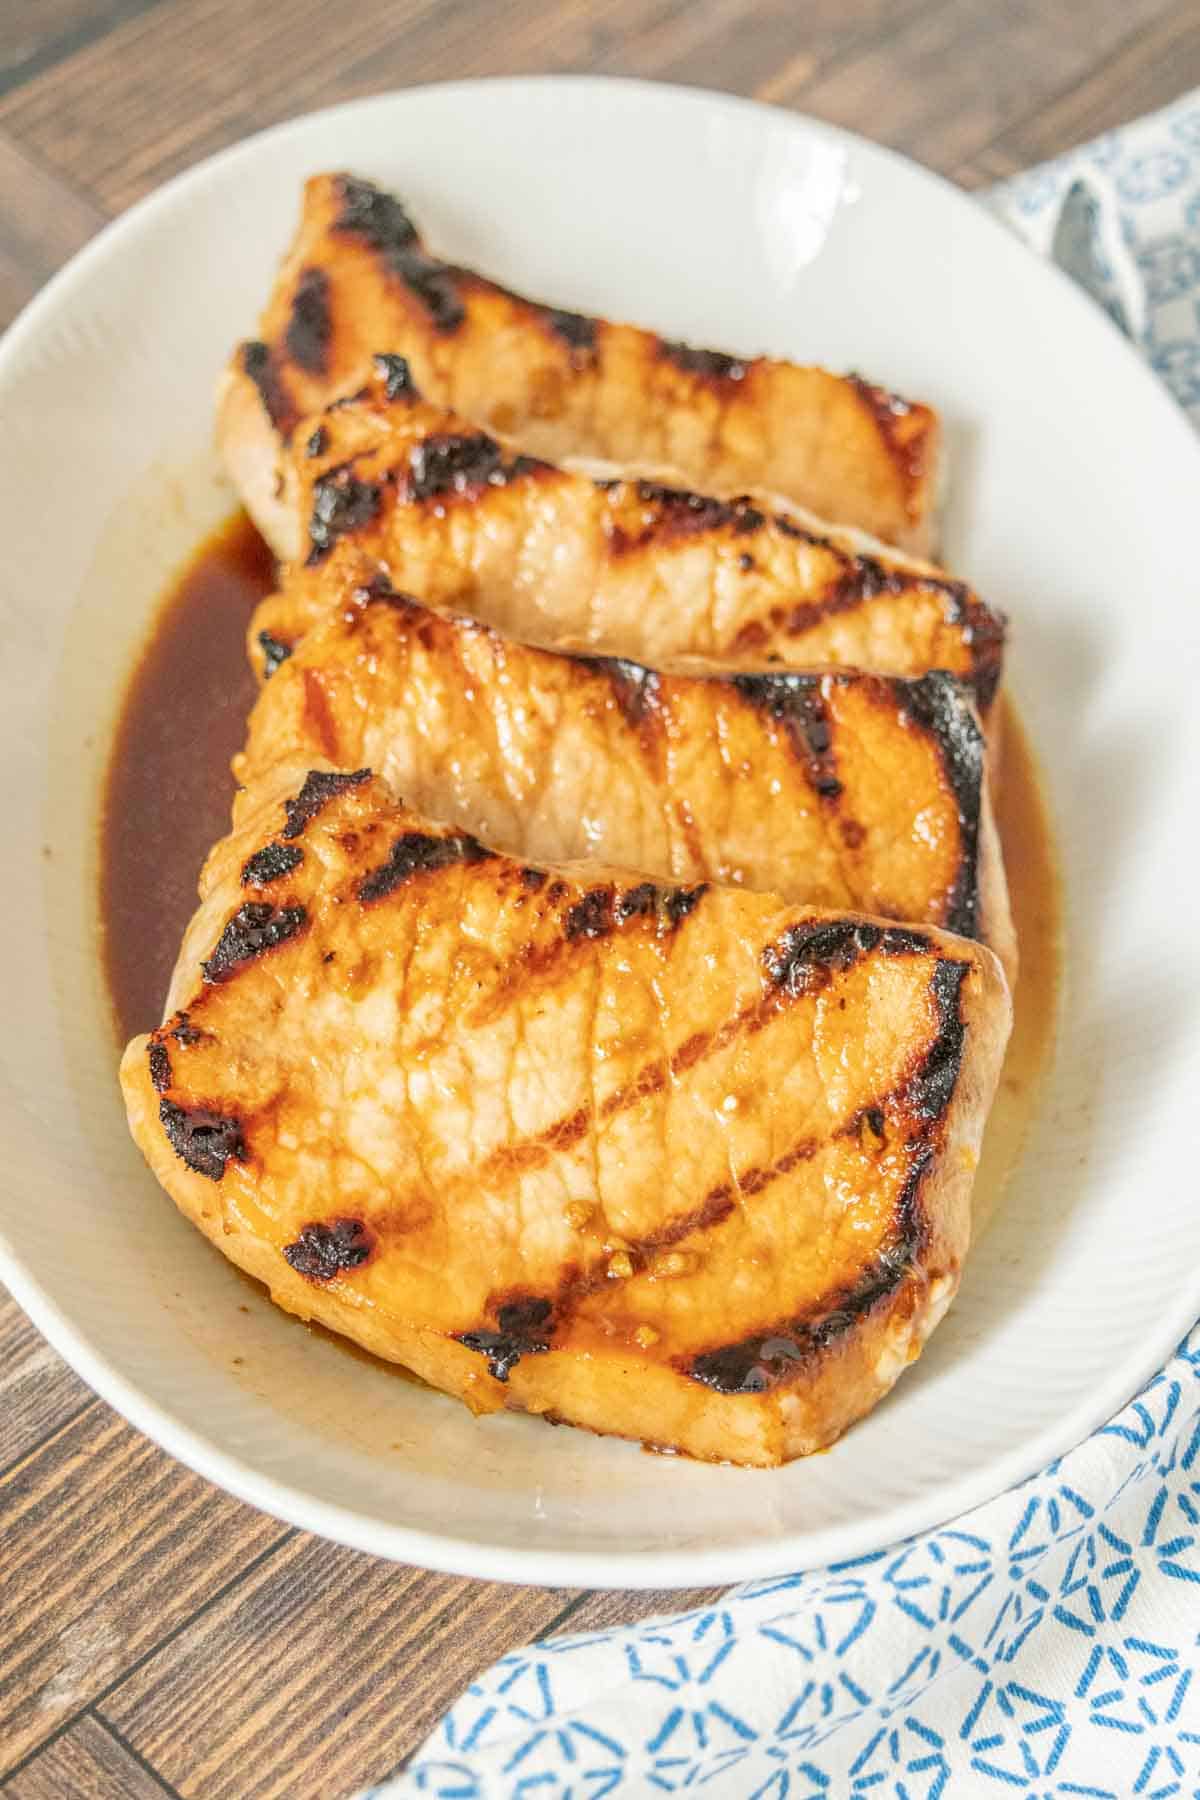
(106, 1545)
(164, 89)
(1151, 67)
(538, 37)
(16, 288)
(169, 86)
(951, 78)
(317, 1674)
(194, 75)
(601, 1612)
(38, 1393)
(42, 223)
(183, 79)
(34, 37)
(86, 1763)
(766, 48)
(604, 1611)
(986, 167)
(714, 43)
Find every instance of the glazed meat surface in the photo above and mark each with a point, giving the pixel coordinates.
(837, 789)
(358, 279)
(623, 565)
(688, 1165)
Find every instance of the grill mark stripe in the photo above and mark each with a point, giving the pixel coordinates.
(888, 411)
(443, 465)
(534, 1151)
(260, 363)
(379, 221)
(797, 704)
(342, 503)
(418, 853)
(509, 1160)
(252, 932)
(306, 337)
(328, 1248)
(937, 703)
(721, 1200)
(270, 864)
(206, 1140)
(652, 1079)
(929, 1079)
(275, 653)
(575, 330)
(928, 1090)
(635, 688)
(559, 1309)
(716, 366)
(319, 787)
(711, 1211)
(859, 581)
(762, 1360)
(806, 710)
(682, 517)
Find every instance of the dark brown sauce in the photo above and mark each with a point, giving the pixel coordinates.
(168, 788)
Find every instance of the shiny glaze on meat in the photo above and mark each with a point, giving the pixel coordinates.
(836, 789)
(623, 565)
(359, 279)
(686, 1165)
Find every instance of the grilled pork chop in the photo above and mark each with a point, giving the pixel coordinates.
(358, 279)
(841, 789)
(687, 1165)
(625, 565)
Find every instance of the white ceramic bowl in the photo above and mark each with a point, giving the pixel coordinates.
(1074, 504)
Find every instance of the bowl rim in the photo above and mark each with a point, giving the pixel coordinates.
(463, 1554)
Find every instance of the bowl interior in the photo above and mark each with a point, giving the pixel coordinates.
(1073, 484)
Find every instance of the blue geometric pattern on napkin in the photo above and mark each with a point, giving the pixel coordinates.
(1122, 215)
(1047, 1644)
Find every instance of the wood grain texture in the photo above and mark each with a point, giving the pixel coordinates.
(172, 83)
(948, 80)
(34, 37)
(603, 1611)
(87, 1762)
(149, 1543)
(325, 1670)
(38, 1393)
(317, 1674)
(168, 86)
(751, 51)
(42, 223)
(155, 1636)
(1155, 62)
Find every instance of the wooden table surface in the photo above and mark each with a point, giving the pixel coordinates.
(155, 1635)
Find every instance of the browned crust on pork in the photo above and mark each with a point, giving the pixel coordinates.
(553, 380)
(866, 791)
(636, 1332)
(628, 565)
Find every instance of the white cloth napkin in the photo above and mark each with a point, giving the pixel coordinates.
(1047, 1643)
